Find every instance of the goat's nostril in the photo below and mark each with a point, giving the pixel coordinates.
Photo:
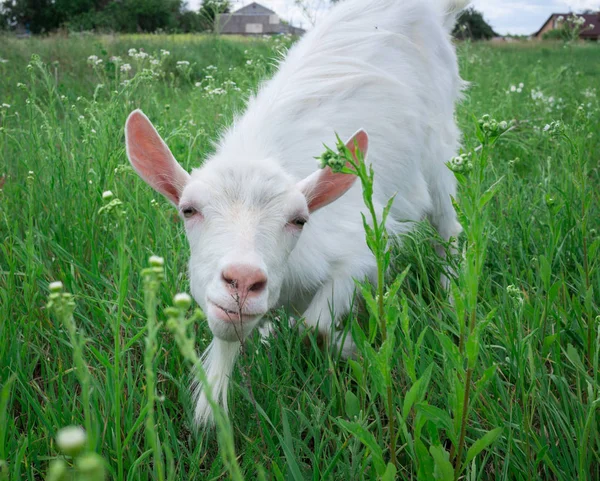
(258, 286)
(227, 279)
(244, 280)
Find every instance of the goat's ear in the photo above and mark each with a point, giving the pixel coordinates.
(152, 159)
(324, 186)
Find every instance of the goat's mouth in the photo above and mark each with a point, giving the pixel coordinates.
(231, 315)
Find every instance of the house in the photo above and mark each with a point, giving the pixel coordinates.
(590, 30)
(254, 19)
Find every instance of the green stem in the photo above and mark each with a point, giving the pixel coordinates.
(463, 425)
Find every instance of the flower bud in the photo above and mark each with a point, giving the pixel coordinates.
(55, 286)
(90, 467)
(71, 440)
(156, 261)
(57, 471)
(182, 300)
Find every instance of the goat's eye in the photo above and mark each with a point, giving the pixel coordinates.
(188, 212)
(298, 222)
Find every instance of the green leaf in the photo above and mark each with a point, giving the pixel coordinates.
(443, 468)
(450, 349)
(417, 391)
(472, 348)
(365, 437)
(548, 341)
(573, 356)
(488, 194)
(395, 287)
(545, 271)
(438, 417)
(482, 443)
(288, 449)
(387, 208)
(390, 473)
(357, 370)
(352, 405)
(486, 376)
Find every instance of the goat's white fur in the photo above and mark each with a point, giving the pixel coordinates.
(387, 66)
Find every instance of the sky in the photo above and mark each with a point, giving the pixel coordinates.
(505, 16)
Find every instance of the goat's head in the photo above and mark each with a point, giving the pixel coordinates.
(242, 220)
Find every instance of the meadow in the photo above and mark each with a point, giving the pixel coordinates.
(504, 384)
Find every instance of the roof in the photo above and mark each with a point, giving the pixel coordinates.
(586, 32)
(254, 9)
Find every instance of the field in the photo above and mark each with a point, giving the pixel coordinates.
(503, 385)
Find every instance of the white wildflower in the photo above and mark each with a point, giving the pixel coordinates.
(165, 53)
(107, 195)
(132, 52)
(71, 440)
(55, 286)
(125, 67)
(183, 63)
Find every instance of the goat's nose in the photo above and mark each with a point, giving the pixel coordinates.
(244, 280)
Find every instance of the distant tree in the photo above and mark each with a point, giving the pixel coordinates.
(209, 10)
(118, 15)
(471, 24)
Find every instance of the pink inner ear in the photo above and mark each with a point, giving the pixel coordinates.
(152, 159)
(324, 186)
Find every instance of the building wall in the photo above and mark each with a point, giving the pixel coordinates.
(248, 24)
(550, 25)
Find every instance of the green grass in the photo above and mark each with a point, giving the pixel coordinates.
(537, 303)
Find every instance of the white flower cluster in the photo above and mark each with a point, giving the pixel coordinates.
(575, 20)
(217, 91)
(554, 128)
(183, 63)
(125, 67)
(3, 60)
(116, 59)
(549, 102)
(94, 60)
(589, 93)
(514, 88)
(165, 53)
(460, 163)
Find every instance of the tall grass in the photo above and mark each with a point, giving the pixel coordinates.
(502, 384)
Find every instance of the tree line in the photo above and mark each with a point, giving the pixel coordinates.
(42, 16)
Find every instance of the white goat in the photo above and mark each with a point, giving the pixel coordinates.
(263, 229)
